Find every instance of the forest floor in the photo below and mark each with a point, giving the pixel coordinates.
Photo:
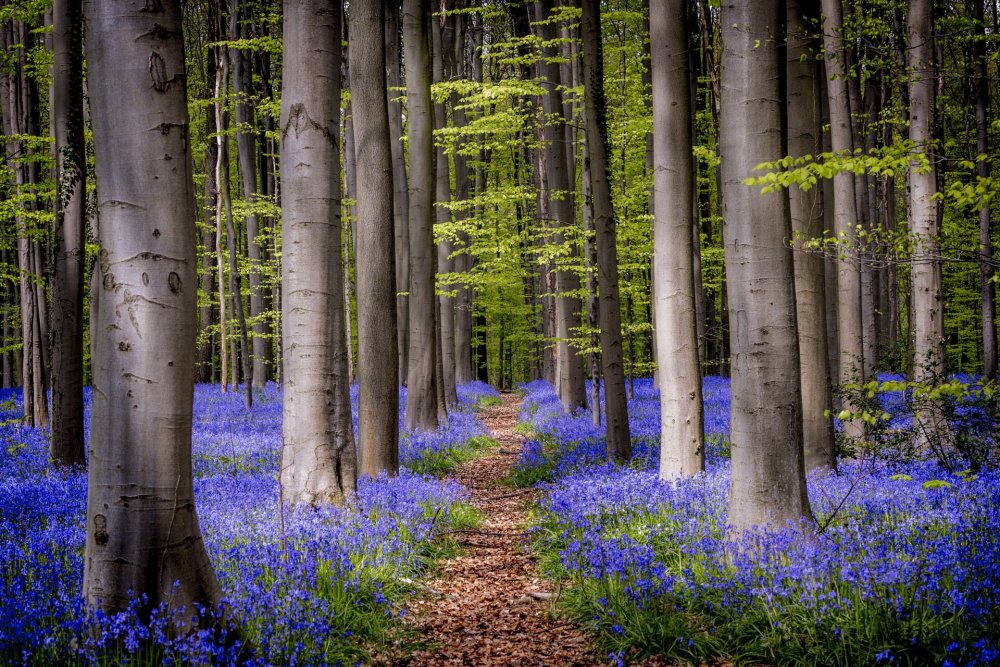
(490, 606)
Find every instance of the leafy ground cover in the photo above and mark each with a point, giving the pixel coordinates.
(904, 567)
(324, 589)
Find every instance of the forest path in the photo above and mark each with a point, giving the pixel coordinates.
(485, 613)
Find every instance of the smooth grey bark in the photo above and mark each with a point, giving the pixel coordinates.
(849, 317)
(206, 362)
(224, 338)
(348, 246)
(869, 326)
(378, 365)
(925, 266)
(682, 439)
(804, 127)
(235, 279)
(143, 537)
(318, 461)
(66, 447)
(987, 286)
(17, 110)
(463, 261)
(593, 309)
(421, 396)
(830, 263)
(442, 217)
(207, 276)
(246, 145)
(569, 364)
(767, 485)
(400, 197)
(615, 404)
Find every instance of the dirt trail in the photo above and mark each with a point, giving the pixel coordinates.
(485, 613)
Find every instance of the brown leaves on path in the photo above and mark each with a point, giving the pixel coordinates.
(493, 608)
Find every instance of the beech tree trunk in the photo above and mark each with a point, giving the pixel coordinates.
(378, 379)
(682, 446)
(570, 376)
(615, 403)
(143, 537)
(318, 461)
(421, 396)
(767, 485)
(400, 197)
(235, 279)
(442, 217)
(246, 144)
(463, 261)
(987, 286)
(804, 126)
(17, 110)
(849, 317)
(925, 267)
(224, 337)
(67, 446)
(206, 361)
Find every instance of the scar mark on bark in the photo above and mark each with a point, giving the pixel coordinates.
(159, 32)
(174, 282)
(300, 120)
(165, 128)
(158, 73)
(133, 376)
(124, 346)
(101, 530)
(132, 299)
(109, 281)
(118, 203)
(145, 279)
(152, 7)
(135, 321)
(148, 256)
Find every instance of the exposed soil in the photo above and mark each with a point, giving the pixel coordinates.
(483, 608)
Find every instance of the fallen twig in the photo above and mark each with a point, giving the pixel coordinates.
(510, 495)
(471, 531)
(423, 587)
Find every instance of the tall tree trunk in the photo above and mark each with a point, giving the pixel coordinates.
(987, 286)
(219, 236)
(615, 403)
(235, 280)
(66, 446)
(463, 262)
(682, 450)
(925, 267)
(318, 461)
(400, 198)
(8, 333)
(831, 265)
(378, 366)
(421, 396)
(206, 362)
(804, 127)
(206, 277)
(246, 144)
(143, 538)
(849, 316)
(571, 385)
(442, 218)
(869, 336)
(767, 484)
(12, 103)
(593, 308)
